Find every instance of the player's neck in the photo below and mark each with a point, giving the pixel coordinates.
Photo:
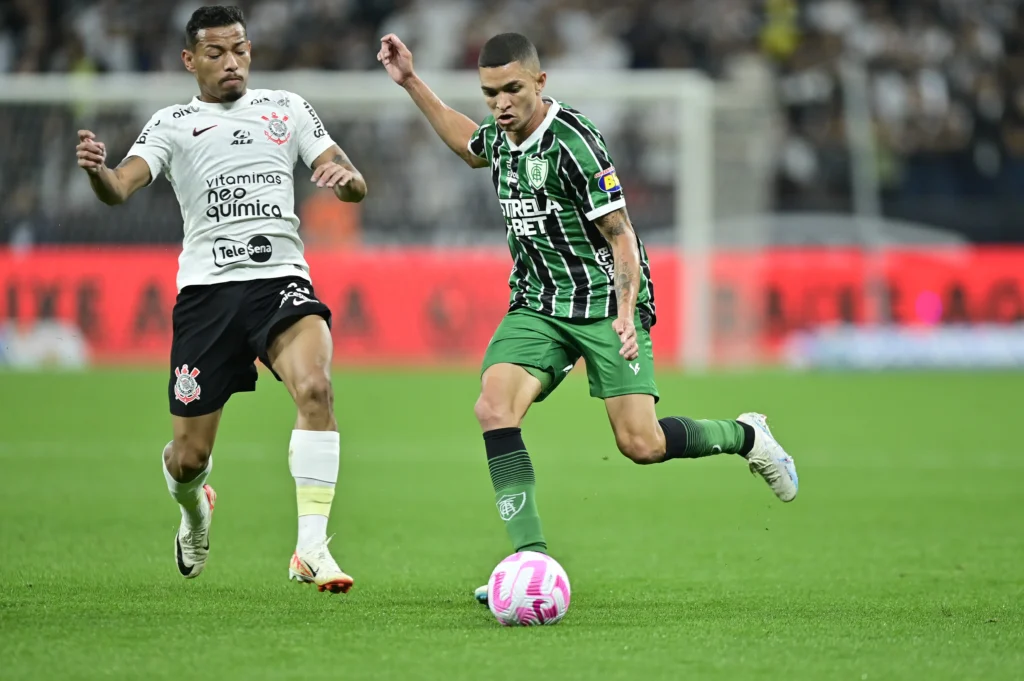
(538, 117)
(210, 99)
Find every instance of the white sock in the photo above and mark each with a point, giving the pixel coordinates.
(313, 457)
(189, 495)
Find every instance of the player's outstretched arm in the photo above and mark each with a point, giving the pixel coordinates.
(111, 186)
(453, 127)
(617, 230)
(332, 169)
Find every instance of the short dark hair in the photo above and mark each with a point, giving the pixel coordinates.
(213, 16)
(506, 48)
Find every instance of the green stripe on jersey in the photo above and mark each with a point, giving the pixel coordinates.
(551, 189)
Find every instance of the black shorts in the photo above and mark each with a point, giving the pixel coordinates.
(220, 330)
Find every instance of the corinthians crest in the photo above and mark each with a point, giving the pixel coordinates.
(511, 504)
(186, 388)
(536, 171)
(277, 129)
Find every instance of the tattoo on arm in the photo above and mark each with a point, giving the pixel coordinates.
(613, 225)
(626, 257)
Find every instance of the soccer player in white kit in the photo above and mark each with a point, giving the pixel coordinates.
(244, 288)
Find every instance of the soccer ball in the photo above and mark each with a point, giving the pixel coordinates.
(528, 588)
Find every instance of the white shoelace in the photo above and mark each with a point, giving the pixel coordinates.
(324, 557)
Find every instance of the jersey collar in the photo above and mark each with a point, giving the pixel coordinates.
(216, 106)
(539, 132)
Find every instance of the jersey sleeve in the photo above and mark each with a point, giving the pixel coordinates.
(591, 174)
(154, 146)
(312, 136)
(480, 142)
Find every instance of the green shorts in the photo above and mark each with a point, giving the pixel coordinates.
(549, 347)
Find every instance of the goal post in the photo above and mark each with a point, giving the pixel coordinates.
(662, 122)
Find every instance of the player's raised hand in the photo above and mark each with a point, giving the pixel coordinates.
(396, 58)
(332, 175)
(92, 154)
(626, 329)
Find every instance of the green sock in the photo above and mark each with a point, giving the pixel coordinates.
(514, 488)
(687, 438)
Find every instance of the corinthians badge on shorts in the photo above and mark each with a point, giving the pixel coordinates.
(277, 130)
(186, 388)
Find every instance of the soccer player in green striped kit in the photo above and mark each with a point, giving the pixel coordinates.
(581, 285)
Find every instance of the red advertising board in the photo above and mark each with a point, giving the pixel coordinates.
(425, 305)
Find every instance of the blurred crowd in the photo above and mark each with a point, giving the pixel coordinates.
(944, 83)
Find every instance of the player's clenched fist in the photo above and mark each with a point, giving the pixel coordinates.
(396, 58)
(92, 154)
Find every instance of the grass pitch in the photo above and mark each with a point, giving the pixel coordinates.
(901, 558)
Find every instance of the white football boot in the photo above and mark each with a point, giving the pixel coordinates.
(769, 460)
(315, 565)
(192, 547)
(481, 595)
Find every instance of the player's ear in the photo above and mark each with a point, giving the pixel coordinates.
(188, 59)
(542, 80)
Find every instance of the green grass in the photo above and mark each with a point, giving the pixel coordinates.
(901, 559)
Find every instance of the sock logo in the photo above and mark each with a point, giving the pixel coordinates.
(511, 504)
(636, 368)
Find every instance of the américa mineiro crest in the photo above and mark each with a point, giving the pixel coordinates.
(186, 387)
(536, 171)
(511, 504)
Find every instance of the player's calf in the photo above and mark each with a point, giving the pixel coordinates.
(507, 391)
(687, 438)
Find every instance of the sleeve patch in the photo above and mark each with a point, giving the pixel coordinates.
(608, 181)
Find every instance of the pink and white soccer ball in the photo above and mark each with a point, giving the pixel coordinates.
(527, 589)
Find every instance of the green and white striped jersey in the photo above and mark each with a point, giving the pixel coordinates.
(551, 189)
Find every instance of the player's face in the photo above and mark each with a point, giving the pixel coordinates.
(220, 62)
(512, 93)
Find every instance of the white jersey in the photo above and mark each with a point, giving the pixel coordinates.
(231, 167)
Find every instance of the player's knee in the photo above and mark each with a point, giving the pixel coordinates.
(313, 395)
(639, 448)
(494, 413)
(188, 454)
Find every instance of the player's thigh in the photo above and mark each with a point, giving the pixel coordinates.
(634, 422)
(301, 354)
(609, 373)
(289, 330)
(537, 345)
(210, 354)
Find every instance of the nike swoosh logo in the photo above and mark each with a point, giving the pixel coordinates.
(197, 133)
(185, 570)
